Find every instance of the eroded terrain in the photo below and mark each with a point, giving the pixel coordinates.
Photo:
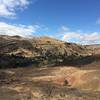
(48, 69)
(53, 83)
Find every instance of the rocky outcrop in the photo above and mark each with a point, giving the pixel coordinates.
(40, 50)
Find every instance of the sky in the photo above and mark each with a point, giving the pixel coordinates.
(68, 20)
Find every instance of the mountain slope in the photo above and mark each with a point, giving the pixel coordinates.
(41, 51)
(13, 44)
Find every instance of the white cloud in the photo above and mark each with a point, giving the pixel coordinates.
(86, 38)
(80, 37)
(8, 7)
(21, 30)
(98, 21)
(63, 30)
(69, 35)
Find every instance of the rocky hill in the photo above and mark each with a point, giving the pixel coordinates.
(36, 46)
(38, 51)
(73, 72)
(95, 49)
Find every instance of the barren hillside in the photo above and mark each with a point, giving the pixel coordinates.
(17, 44)
(38, 51)
(43, 68)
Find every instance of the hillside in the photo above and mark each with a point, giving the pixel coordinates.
(17, 44)
(43, 68)
(38, 51)
(95, 49)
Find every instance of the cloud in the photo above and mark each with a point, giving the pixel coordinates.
(81, 37)
(98, 21)
(63, 30)
(8, 7)
(70, 35)
(21, 30)
(86, 38)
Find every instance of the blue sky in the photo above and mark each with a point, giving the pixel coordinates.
(68, 20)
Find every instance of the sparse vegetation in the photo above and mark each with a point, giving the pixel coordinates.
(38, 51)
(58, 70)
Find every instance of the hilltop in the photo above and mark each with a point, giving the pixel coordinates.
(18, 45)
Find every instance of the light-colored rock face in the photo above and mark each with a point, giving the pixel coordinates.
(94, 49)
